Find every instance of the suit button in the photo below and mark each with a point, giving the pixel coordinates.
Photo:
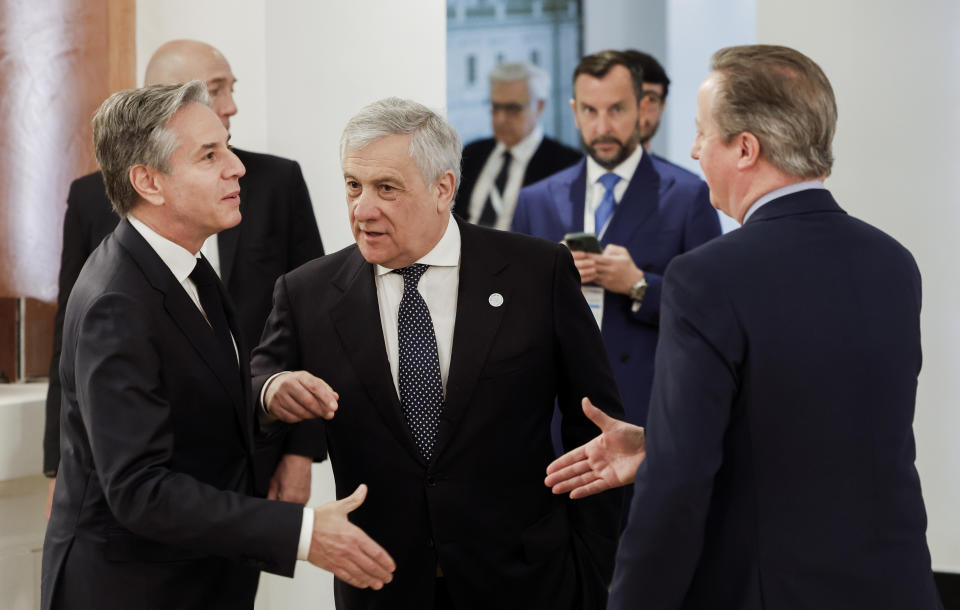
(431, 482)
(624, 357)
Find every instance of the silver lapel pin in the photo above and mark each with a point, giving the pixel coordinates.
(495, 299)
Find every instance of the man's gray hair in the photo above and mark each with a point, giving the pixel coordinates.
(130, 128)
(783, 98)
(434, 143)
(538, 81)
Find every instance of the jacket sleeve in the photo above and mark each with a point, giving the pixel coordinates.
(128, 423)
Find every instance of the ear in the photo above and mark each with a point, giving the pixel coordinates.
(146, 181)
(749, 150)
(444, 188)
(540, 106)
(573, 108)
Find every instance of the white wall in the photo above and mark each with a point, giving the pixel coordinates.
(303, 69)
(894, 67)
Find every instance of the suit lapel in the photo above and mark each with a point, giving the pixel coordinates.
(190, 320)
(638, 204)
(356, 319)
(476, 326)
(227, 241)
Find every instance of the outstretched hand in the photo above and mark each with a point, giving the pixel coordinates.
(610, 460)
(341, 547)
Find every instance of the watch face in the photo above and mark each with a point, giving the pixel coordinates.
(638, 290)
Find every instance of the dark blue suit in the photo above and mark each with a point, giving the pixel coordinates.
(780, 454)
(664, 212)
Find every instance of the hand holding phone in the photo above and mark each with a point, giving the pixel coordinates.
(583, 242)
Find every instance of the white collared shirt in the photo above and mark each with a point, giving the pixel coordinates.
(595, 190)
(178, 259)
(438, 286)
(522, 152)
(782, 192)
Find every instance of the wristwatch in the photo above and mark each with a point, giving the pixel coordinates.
(636, 293)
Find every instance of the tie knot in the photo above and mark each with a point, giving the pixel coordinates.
(203, 274)
(609, 180)
(411, 274)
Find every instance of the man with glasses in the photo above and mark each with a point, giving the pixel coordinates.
(495, 169)
(656, 84)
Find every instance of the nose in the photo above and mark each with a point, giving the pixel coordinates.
(234, 167)
(695, 149)
(226, 107)
(364, 206)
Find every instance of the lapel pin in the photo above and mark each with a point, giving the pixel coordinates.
(495, 299)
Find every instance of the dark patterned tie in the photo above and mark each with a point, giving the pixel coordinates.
(206, 280)
(421, 388)
(488, 217)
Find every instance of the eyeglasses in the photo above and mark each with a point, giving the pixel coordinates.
(510, 108)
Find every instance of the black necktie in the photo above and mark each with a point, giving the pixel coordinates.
(206, 280)
(488, 217)
(421, 388)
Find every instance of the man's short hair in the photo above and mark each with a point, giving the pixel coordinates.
(783, 98)
(434, 143)
(599, 64)
(538, 81)
(130, 128)
(652, 71)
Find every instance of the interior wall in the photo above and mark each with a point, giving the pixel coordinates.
(894, 67)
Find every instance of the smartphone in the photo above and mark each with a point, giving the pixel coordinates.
(585, 242)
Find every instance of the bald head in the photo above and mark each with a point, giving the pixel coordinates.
(181, 61)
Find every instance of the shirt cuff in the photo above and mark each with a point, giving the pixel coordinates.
(306, 534)
(263, 391)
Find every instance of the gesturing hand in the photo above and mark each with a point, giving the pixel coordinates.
(610, 460)
(341, 547)
(298, 395)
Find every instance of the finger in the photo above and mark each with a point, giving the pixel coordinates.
(348, 571)
(289, 412)
(576, 483)
(354, 500)
(323, 393)
(613, 249)
(590, 489)
(598, 417)
(571, 457)
(568, 472)
(273, 493)
(372, 559)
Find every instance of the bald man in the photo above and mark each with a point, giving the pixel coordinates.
(278, 233)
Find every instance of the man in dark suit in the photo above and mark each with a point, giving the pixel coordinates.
(279, 233)
(447, 383)
(152, 509)
(651, 212)
(518, 154)
(779, 468)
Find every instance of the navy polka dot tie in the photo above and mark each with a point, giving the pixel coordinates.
(421, 389)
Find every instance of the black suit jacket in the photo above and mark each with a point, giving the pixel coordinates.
(278, 233)
(480, 509)
(550, 157)
(150, 509)
(780, 453)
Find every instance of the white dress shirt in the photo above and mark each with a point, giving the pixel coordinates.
(522, 152)
(781, 192)
(181, 262)
(595, 190)
(211, 251)
(438, 287)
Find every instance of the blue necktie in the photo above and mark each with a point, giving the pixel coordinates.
(421, 388)
(607, 204)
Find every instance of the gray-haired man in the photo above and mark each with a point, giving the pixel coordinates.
(495, 169)
(157, 426)
(447, 344)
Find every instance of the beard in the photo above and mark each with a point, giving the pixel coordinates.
(648, 131)
(626, 148)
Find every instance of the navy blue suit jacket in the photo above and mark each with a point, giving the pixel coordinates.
(664, 212)
(780, 454)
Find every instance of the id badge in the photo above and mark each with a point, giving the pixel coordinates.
(594, 297)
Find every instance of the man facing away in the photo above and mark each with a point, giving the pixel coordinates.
(518, 154)
(278, 234)
(448, 345)
(779, 468)
(152, 509)
(644, 212)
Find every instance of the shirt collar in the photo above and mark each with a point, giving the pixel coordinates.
(782, 192)
(445, 254)
(625, 170)
(180, 260)
(523, 150)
